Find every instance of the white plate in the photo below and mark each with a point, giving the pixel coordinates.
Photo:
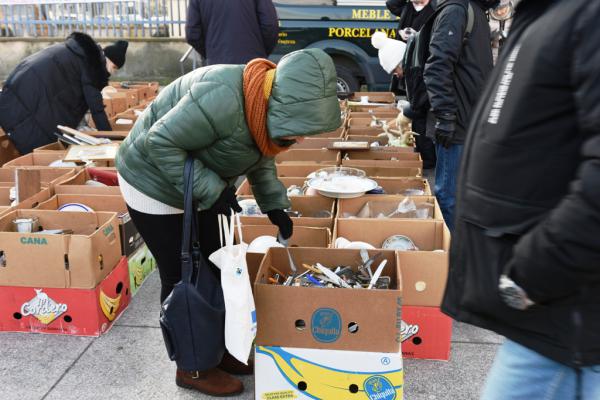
(77, 207)
(400, 243)
(263, 243)
(342, 187)
(360, 246)
(250, 208)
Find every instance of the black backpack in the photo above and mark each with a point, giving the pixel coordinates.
(415, 57)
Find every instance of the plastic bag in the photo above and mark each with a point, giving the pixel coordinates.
(240, 311)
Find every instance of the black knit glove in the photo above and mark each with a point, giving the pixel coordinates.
(226, 201)
(444, 132)
(280, 219)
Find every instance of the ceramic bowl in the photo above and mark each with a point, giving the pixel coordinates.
(341, 243)
(400, 243)
(75, 207)
(249, 207)
(360, 246)
(263, 243)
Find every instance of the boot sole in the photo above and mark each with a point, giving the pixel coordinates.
(191, 387)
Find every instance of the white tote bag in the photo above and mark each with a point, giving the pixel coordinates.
(240, 312)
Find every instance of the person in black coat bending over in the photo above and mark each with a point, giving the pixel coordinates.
(232, 31)
(57, 86)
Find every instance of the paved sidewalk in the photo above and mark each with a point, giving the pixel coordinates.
(130, 362)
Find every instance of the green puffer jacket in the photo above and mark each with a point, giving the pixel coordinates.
(203, 113)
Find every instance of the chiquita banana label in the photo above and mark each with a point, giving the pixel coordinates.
(279, 395)
(110, 306)
(318, 381)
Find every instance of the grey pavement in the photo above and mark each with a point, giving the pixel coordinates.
(130, 362)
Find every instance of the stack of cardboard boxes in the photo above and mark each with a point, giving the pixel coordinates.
(337, 343)
(68, 272)
(327, 343)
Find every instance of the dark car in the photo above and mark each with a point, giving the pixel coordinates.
(342, 31)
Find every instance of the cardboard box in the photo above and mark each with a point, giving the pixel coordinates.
(308, 206)
(426, 333)
(79, 260)
(383, 163)
(131, 240)
(315, 143)
(117, 100)
(253, 261)
(338, 133)
(246, 190)
(297, 373)
(309, 155)
(35, 200)
(48, 176)
(424, 276)
(384, 204)
(389, 172)
(371, 107)
(8, 151)
(303, 236)
(43, 159)
(427, 235)
(295, 170)
(364, 131)
(76, 185)
(322, 318)
(383, 140)
(141, 265)
(375, 97)
(122, 123)
(399, 186)
(381, 113)
(28, 203)
(356, 122)
(131, 96)
(56, 146)
(79, 312)
(384, 153)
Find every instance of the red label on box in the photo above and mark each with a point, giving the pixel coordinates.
(80, 312)
(426, 333)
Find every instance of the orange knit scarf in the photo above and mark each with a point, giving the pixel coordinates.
(258, 81)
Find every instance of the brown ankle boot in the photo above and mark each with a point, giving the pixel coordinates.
(213, 382)
(230, 364)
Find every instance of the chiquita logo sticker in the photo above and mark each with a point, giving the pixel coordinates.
(43, 308)
(326, 325)
(379, 388)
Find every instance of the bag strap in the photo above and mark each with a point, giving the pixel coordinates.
(470, 21)
(190, 223)
(227, 229)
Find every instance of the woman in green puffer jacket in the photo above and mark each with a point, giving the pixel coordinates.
(233, 119)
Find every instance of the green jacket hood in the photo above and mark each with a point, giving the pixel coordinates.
(304, 101)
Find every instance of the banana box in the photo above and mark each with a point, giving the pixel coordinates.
(131, 240)
(426, 333)
(79, 312)
(66, 249)
(283, 373)
(141, 265)
(328, 318)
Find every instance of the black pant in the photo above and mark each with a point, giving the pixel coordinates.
(423, 144)
(162, 234)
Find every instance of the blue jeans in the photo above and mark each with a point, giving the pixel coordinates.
(522, 374)
(446, 174)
